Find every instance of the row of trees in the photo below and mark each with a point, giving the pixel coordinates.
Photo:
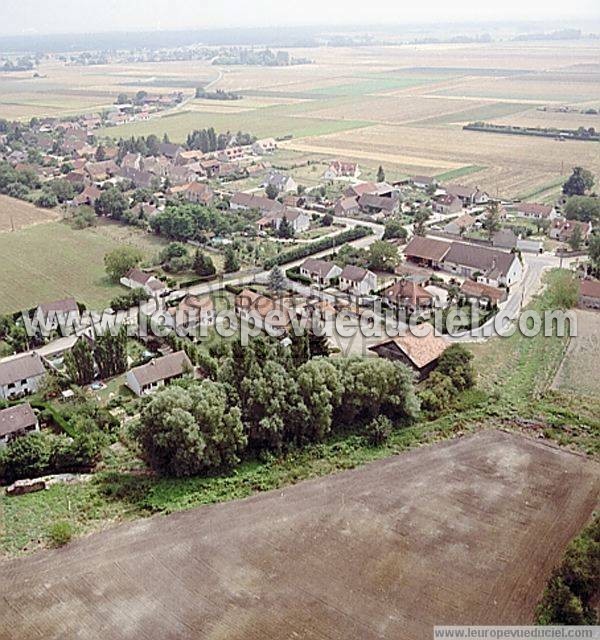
(208, 140)
(107, 356)
(265, 397)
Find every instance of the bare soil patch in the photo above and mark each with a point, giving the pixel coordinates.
(466, 531)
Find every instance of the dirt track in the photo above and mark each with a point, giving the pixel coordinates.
(464, 531)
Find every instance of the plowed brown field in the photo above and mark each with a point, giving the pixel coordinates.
(465, 531)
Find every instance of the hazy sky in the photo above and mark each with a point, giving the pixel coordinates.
(87, 16)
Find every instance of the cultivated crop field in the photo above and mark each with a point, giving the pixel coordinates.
(578, 370)
(51, 261)
(447, 534)
(17, 214)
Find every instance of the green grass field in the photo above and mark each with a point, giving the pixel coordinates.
(50, 261)
(260, 122)
(459, 173)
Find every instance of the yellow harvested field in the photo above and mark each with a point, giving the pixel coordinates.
(396, 110)
(536, 118)
(514, 164)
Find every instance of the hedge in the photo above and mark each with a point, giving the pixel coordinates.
(294, 274)
(320, 245)
(58, 419)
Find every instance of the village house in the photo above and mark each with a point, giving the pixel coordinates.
(137, 279)
(562, 229)
(144, 210)
(340, 169)
(460, 225)
(232, 154)
(274, 317)
(298, 220)
(321, 272)
(409, 295)
(170, 150)
(211, 167)
(158, 166)
(469, 196)
(141, 179)
(147, 378)
(589, 294)
(356, 280)
(17, 421)
(423, 182)
(189, 157)
(196, 193)
(57, 312)
(21, 375)
(87, 197)
(488, 266)
(249, 201)
(482, 293)
(266, 145)
(419, 352)
(193, 312)
(280, 182)
(101, 171)
(535, 211)
(426, 252)
(346, 206)
(446, 204)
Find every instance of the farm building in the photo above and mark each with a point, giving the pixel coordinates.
(426, 252)
(421, 353)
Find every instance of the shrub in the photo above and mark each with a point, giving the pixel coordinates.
(379, 431)
(455, 363)
(60, 533)
(574, 586)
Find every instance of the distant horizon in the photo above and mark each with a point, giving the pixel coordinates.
(279, 36)
(78, 17)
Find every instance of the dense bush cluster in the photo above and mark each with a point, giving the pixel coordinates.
(453, 374)
(192, 222)
(571, 596)
(268, 398)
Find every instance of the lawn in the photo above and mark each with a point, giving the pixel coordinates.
(50, 261)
